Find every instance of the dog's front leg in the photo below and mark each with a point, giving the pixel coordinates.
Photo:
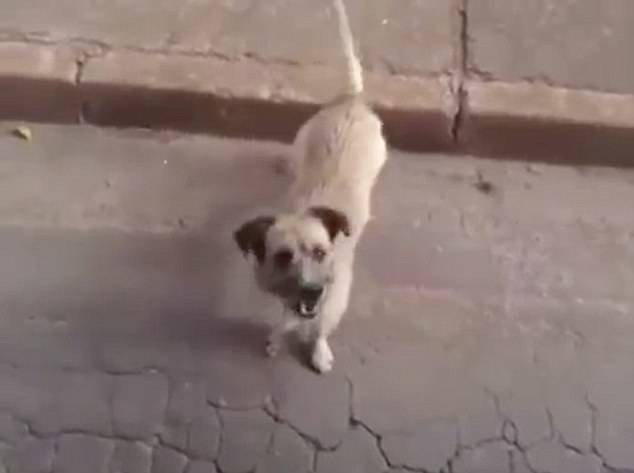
(322, 358)
(278, 332)
(333, 308)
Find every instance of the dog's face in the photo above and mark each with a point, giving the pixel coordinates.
(294, 255)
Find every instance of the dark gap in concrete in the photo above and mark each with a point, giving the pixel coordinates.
(462, 54)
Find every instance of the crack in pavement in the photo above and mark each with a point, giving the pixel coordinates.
(355, 420)
(594, 420)
(271, 411)
(509, 435)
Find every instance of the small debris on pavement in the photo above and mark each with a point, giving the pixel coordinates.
(23, 132)
(484, 186)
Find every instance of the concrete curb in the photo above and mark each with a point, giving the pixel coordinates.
(548, 123)
(245, 97)
(248, 98)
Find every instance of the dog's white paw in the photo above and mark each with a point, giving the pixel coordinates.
(272, 348)
(322, 359)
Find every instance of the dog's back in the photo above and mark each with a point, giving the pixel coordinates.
(341, 150)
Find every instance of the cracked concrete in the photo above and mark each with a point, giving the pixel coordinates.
(490, 457)
(358, 453)
(132, 336)
(135, 415)
(429, 448)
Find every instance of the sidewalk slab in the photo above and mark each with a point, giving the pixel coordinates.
(299, 32)
(580, 44)
(132, 303)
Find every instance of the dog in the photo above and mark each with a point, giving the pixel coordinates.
(305, 255)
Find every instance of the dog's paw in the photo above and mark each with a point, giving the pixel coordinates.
(272, 348)
(322, 359)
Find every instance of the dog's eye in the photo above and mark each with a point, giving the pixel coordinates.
(319, 253)
(283, 259)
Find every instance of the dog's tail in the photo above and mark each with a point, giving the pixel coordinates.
(354, 71)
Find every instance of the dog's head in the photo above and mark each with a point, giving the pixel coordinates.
(294, 255)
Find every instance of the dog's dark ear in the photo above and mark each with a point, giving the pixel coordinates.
(334, 221)
(251, 236)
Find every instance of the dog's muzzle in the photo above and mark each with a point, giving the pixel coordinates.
(309, 297)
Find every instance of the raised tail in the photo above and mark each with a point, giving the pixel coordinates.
(354, 71)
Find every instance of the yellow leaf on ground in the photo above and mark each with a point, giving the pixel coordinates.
(23, 132)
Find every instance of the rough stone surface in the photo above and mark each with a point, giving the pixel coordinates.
(131, 457)
(572, 418)
(480, 422)
(187, 399)
(11, 430)
(31, 456)
(519, 463)
(430, 448)
(551, 458)
(530, 420)
(200, 467)
(488, 458)
(568, 43)
(484, 291)
(166, 460)
(613, 412)
(614, 436)
(317, 406)
(288, 453)
(136, 415)
(191, 425)
(80, 453)
(359, 453)
(247, 436)
(78, 402)
(204, 435)
(75, 401)
(250, 391)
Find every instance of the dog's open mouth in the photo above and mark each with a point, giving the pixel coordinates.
(306, 309)
(307, 302)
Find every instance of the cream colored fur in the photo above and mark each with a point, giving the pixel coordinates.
(305, 256)
(338, 155)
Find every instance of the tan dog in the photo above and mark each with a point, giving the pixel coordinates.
(305, 256)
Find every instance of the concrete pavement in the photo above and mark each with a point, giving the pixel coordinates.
(546, 80)
(490, 330)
